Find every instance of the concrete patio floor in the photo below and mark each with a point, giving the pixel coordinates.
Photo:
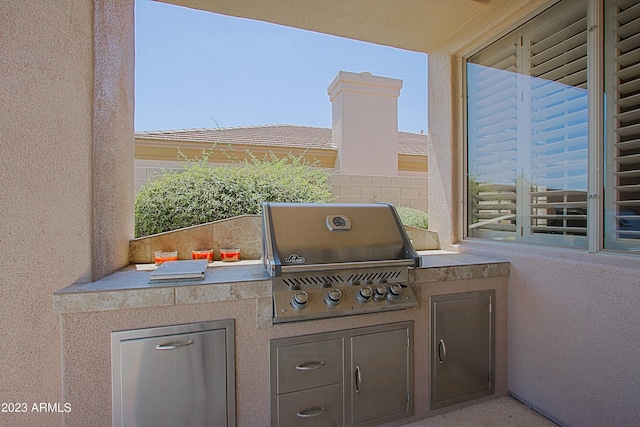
(505, 411)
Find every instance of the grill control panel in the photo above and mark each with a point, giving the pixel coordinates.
(316, 297)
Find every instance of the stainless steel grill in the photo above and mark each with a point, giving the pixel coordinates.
(330, 260)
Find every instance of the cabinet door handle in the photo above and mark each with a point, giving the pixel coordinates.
(442, 351)
(358, 379)
(311, 412)
(309, 366)
(174, 346)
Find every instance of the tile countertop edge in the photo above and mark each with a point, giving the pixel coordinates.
(439, 267)
(129, 288)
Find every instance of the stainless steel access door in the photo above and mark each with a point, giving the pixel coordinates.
(380, 375)
(462, 348)
(172, 379)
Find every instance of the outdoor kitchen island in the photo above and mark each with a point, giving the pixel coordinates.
(125, 300)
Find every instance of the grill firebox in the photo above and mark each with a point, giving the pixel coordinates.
(330, 260)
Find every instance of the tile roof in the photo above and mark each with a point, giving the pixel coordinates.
(276, 135)
(412, 143)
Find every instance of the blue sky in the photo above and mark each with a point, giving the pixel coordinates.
(202, 70)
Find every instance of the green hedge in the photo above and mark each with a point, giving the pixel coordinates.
(413, 217)
(199, 193)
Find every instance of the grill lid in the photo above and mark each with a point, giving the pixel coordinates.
(301, 237)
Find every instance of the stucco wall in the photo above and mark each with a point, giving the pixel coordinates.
(55, 173)
(45, 198)
(574, 333)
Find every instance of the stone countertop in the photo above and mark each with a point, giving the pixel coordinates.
(130, 287)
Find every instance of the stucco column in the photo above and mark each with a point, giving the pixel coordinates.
(113, 140)
(365, 123)
(444, 169)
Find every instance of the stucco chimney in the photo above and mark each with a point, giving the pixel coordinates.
(365, 123)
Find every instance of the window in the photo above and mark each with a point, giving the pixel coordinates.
(528, 141)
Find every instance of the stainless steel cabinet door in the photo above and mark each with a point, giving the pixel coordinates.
(309, 365)
(373, 383)
(462, 347)
(173, 380)
(380, 375)
(315, 407)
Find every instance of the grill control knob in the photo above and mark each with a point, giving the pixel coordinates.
(299, 300)
(364, 294)
(381, 292)
(394, 291)
(333, 297)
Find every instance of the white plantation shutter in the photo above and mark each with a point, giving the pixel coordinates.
(556, 47)
(622, 62)
(527, 131)
(493, 109)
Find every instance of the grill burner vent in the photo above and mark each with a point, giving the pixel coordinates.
(384, 275)
(313, 281)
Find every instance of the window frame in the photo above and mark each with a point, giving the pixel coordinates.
(596, 138)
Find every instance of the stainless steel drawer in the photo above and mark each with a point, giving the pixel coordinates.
(182, 375)
(318, 407)
(307, 365)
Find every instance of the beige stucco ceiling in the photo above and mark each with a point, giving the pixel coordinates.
(418, 25)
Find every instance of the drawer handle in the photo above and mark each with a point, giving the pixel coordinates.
(312, 412)
(442, 351)
(174, 346)
(309, 366)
